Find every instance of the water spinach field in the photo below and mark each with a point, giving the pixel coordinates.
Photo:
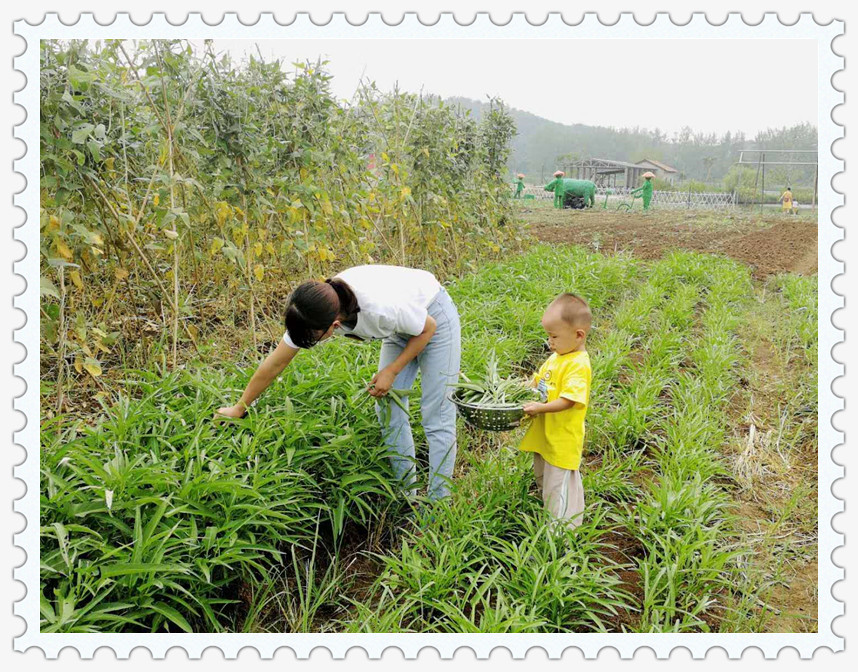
(699, 474)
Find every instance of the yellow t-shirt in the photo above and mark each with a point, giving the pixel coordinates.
(559, 437)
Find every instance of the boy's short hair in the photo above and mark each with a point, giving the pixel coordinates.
(574, 310)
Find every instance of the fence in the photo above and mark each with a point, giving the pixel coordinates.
(695, 200)
(538, 192)
(662, 199)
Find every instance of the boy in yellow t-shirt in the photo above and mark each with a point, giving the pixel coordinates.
(556, 434)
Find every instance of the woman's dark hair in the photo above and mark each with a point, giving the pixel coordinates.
(313, 307)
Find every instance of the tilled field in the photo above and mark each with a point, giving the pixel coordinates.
(772, 244)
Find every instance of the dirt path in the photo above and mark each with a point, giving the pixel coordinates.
(774, 464)
(772, 244)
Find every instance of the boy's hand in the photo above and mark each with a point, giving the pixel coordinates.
(533, 408)
(381, 383)
(236, 411)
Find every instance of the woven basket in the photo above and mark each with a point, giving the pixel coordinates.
(493, 419)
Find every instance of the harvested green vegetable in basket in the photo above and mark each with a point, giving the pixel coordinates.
(493, 391)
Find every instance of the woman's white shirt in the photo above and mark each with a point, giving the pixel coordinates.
(392, 300)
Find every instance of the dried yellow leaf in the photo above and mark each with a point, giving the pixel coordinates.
(63, 249)
(93, 367)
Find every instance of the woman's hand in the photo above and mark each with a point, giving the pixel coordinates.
(381, 383)
(236, 411)
(267, 371)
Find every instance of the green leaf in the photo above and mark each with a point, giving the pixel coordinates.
(94, 149)
(131, 568)
(170, 613)
(81, 133)
(46, 287)
(57, 263)
(46, 609)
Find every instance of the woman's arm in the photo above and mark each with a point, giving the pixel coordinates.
(271, 367)
(383, 380)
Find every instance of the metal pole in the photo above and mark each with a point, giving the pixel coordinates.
(815, 185)
(763, 189)
(757, 176)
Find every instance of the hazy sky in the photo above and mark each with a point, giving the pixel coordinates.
(709, 85)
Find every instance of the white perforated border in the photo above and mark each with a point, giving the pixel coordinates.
(410, 27)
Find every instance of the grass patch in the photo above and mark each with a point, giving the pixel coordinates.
(154, 519)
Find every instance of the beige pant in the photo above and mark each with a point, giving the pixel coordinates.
(561, 490)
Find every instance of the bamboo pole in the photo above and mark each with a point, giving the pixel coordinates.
(247, 270)
(61, 332)
(175, 237)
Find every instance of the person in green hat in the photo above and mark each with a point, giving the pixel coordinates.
(519, 185)
(646, 190)
(558, 186)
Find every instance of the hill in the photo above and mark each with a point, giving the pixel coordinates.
(542, 145)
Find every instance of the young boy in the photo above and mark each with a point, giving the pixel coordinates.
(556, 434)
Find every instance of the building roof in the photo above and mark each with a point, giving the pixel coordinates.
(604, 166)
(659, 165)
(603, 162)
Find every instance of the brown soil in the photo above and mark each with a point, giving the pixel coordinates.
(769, 244)
(800, 611)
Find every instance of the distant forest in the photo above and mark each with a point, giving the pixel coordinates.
(541, 146)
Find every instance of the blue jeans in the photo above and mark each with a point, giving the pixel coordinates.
(439, 365)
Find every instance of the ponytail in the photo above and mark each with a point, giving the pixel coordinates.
(348, 301)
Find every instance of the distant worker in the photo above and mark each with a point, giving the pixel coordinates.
(519, 185)
(786, 200)
(557, 186)
(645, 191)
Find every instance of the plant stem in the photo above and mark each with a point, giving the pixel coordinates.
(169, 128)
(62, 336)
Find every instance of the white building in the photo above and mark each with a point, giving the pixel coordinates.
(662, 170)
